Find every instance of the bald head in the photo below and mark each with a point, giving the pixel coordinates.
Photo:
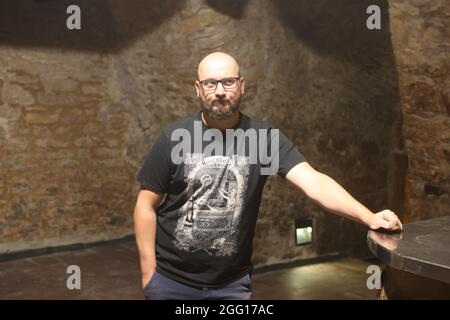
(218, 65)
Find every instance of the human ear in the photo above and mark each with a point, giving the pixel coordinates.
(197, 88)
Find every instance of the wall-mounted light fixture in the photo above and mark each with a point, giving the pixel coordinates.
(303, 231)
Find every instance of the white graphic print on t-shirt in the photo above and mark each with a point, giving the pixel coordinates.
(215, 192)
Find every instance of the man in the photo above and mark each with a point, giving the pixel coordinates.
(195, 218)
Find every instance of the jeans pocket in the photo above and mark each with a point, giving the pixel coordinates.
(151, 281)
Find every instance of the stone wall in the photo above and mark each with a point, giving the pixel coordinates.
(80, 110)
(421, 40)
(65, 177)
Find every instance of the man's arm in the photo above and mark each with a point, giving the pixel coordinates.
(327, 193)
(145, 229)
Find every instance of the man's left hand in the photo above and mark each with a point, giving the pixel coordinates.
(385, 219)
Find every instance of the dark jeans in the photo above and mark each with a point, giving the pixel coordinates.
(162, 288)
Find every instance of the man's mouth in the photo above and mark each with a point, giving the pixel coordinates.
(221, 103)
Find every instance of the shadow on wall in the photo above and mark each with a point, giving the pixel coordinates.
(334, 27)
(231, 8)
(106, 25)
(329, 27)
(337, 30)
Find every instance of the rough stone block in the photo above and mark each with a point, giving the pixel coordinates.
(15, 94)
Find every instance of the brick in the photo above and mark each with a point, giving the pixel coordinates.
(55, 84)
(15, 94)
(17, 144)
(53, 142)
(41, 118)
(8, 112)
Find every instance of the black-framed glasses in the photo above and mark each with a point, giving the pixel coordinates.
(227, 83)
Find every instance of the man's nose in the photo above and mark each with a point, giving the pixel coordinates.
(220, 91)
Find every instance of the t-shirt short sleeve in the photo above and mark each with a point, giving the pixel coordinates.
(289, 155)
(156, 170)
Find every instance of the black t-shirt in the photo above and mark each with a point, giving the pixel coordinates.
(206, 223)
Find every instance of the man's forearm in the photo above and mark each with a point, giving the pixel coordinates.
(334, 198)
(145, 230)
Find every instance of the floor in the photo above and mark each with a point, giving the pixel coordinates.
(112, 272)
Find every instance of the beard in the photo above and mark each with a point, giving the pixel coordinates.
(220, 109)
